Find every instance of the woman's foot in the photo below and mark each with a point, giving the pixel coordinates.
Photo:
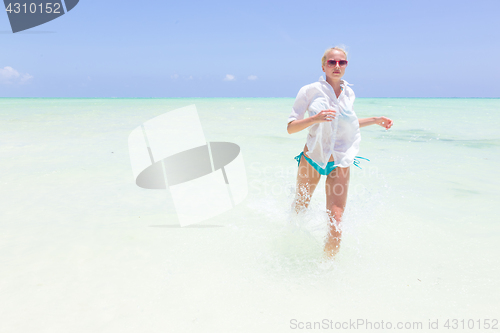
(332, 247)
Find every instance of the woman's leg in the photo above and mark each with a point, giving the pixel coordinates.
(307, 180)
(337, 184)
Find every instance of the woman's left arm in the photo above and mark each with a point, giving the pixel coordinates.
(382, 121)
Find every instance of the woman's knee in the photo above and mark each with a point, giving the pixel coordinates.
(335, 212)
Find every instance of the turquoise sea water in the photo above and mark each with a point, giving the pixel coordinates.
(86, 250)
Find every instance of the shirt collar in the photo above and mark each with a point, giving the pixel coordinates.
(342, 82)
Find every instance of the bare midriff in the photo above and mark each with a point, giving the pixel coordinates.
(306, 150)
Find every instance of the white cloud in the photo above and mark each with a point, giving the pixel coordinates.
(25, 78)
(9, 75)
(252, 77)
(175, 76)
(229, 77)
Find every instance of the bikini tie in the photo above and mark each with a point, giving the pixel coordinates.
(356, 161)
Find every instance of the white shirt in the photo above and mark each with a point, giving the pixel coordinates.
(340, 137)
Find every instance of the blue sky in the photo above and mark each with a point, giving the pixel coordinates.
(210, 49)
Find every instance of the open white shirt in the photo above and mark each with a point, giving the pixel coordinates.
(340, 137)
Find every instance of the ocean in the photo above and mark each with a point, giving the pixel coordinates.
(84, 249)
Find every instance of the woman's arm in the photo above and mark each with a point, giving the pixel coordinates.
(382, 121)
(298, 125)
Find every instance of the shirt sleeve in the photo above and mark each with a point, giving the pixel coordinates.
(352, 96)
(300, 106)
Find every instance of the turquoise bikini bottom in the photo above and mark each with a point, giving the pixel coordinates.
(330, 166)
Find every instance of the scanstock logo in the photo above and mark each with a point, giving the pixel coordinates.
(28, 14)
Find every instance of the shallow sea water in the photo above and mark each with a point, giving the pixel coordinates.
(86, 250)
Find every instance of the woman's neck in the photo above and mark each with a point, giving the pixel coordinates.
(335, 83)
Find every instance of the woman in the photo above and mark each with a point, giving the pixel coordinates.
(333, 140)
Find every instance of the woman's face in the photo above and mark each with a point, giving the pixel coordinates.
(334, 71)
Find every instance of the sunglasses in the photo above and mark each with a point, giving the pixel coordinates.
(340, 63)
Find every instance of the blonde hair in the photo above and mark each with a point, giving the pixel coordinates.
(338, 48)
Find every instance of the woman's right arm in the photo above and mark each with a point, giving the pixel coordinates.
(300, 124)
(297, 122)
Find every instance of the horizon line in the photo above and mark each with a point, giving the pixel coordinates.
(226, 97)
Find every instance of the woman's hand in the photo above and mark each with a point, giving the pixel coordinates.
(384, 122)
(324, 115)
